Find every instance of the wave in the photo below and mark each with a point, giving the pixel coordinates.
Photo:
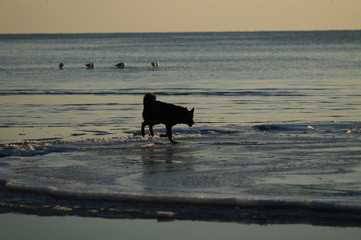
(166, 208)
(179, 199)
(320, 127)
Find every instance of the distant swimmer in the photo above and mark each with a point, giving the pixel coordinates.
(121, 65)
(61, 66)
(90, 65)
(155, 64)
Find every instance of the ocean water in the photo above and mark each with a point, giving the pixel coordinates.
(277, 118)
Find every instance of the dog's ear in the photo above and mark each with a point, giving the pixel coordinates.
(192, 111)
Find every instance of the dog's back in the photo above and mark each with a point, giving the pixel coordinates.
(157, 112)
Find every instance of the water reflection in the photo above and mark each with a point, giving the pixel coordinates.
(161, 163)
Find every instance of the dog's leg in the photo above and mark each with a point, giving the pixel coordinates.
(151, 129)
(169, 134)
(143, 126)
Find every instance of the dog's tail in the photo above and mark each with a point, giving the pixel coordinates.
(149, 98)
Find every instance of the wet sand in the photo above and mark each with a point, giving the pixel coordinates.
(19, 226)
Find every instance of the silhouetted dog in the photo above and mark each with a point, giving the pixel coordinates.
(156, 112)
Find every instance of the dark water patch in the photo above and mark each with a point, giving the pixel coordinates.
(276, 127)
(78, 134)
(96, 132)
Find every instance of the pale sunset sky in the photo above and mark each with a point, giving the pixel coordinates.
(98, 16)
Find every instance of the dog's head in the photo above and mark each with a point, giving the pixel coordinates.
(189, 119)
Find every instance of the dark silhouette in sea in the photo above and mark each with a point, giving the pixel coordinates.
(157, 112)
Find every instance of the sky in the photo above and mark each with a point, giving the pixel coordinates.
(98, 16)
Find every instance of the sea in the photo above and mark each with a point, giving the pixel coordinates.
(277, 124)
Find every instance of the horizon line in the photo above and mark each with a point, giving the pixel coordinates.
(160, 32)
